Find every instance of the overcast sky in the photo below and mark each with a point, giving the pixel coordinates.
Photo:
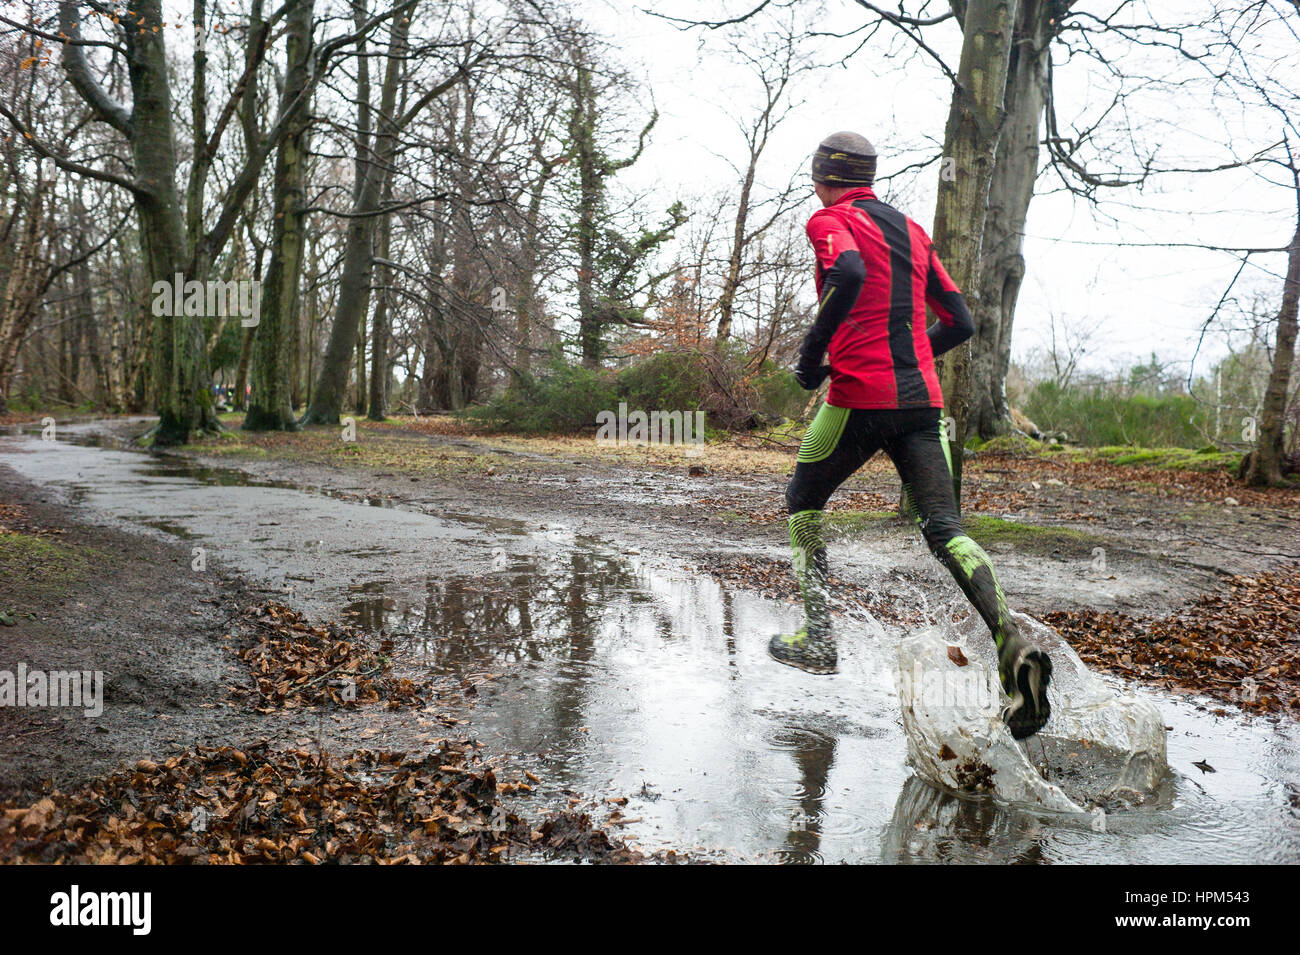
(1139, 300)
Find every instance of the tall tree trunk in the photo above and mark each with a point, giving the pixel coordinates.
(594, 168)
(271, 405)
(139, 365)
(373, 162)
(379, 324)
(1265, 464)
(242, 369)
(179, 359)
(90, 333)
(379, 359)
(22, 284)
(296, 366)
(527, 300)
(69, 344)
(180, 377)
(359, 404)
(312, 318)
(1010, 190)
(461, 363)
(84, 299)
(426, 397)
(582, 134)
(970, 141)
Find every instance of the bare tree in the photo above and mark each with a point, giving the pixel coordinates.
(775, 67)
(375, 155)
(271, 404)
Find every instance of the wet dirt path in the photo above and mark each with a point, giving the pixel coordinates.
(624, 675)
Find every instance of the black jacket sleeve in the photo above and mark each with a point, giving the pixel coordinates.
(955, 323)
(840, 287)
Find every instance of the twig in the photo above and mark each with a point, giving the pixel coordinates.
(47, 729)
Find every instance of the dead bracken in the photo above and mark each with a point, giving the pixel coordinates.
(227, 805)
(1241, 645)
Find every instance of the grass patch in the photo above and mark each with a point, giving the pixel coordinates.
(1185, 459)
(439, 444)
(229, 446)
(39, 407)
(996, 530)
(42, 567)
(982, 528)
(1207, 459)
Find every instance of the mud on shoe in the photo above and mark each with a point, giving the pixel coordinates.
(810, 651)
(1025, 671)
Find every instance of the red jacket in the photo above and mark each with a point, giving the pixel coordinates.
(876, 272)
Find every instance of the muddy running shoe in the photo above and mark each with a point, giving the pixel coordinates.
(814, 652)
(1025, 673)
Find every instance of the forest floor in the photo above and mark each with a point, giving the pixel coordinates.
(1175, 576)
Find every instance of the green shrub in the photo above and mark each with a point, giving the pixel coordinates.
(670, 380)
(565, 399)
(780, 396)
(562, 399)
(1096, 418)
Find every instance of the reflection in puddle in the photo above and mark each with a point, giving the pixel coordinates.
(542, 608)
(624, 675)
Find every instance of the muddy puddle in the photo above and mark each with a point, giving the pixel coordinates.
(623, 675)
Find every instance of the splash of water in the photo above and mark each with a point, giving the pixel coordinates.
(1101, 749)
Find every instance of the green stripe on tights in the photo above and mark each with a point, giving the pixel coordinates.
(823, 434)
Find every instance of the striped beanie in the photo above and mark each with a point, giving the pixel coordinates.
(844, 159)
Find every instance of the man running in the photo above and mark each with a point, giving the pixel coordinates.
(876, 272)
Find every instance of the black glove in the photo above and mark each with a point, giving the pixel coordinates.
(809, 375)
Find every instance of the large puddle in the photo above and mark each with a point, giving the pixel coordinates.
(625, 675)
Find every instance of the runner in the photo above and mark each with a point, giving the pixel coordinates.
(876, 272)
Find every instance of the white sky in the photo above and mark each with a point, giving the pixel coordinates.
(1140, 300)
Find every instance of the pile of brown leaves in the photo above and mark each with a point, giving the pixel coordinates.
(230, 806)
(1241, 646)
(293, 664)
